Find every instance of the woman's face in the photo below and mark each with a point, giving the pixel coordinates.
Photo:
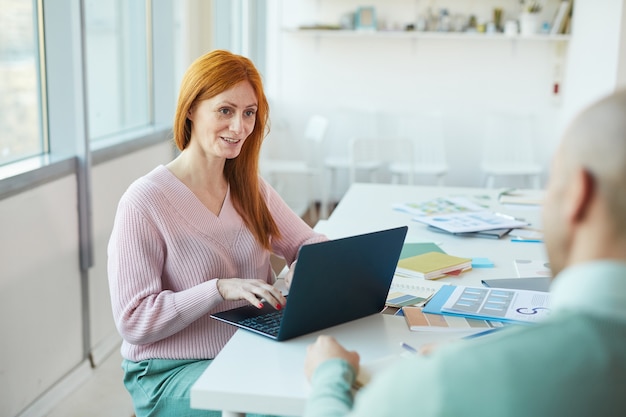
(221, 124)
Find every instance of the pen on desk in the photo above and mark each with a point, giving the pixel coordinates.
(408, 347)
(519, 239)
(486, 332)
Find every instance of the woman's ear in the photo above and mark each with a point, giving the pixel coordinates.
(190, 112)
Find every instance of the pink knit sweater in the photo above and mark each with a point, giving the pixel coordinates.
(165, 253)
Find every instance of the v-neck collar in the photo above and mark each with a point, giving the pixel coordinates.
(225, 226)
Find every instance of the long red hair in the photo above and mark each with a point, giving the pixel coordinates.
(208, 76)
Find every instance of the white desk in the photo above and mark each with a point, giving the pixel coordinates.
(368, 207)
(255, 374)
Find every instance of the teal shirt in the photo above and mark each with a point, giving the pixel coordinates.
(572, 364)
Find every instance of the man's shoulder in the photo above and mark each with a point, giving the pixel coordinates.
(527, 363)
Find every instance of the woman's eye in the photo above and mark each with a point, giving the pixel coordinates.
(250, 113)
(224, 111)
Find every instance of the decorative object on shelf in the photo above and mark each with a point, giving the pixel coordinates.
(472, 24)
(529, 18)
(528, 23)
(422, 23)
(561, 21)
(347, 21)
(510, 28)
(319, 27)
(365, 18)
(444, 24)
(497, 18)
(530, 6)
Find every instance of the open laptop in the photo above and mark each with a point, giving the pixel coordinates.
(334, 282)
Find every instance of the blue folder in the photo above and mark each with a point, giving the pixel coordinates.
(437, 301)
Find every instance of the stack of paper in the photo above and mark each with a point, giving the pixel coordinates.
(432, 265)
(471, 221)
(488, 234)
(460, 216)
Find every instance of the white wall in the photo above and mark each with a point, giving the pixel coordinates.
(464, 77)
(40, 281)
(596, 57)
(40, 302)
(621, 70)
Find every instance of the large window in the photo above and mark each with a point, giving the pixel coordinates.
(89, 80)
(118, 71)
(20, 110)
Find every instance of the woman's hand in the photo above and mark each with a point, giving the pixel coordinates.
(324, 348)
(289, 275)
(253, 290)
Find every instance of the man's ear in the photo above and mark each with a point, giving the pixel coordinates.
(581, 195)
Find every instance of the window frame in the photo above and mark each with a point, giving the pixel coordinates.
(65, 116)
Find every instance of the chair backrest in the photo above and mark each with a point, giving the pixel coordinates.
(397, 150)
(316, 128)
(426, 132)
(363, 152)
(508, 139)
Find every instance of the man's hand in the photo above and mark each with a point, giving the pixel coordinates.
(324, 348)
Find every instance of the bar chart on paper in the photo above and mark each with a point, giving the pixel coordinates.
(520, 306)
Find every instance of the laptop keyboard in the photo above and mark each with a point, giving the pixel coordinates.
(267, 323)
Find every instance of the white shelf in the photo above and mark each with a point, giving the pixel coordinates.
(422, 35)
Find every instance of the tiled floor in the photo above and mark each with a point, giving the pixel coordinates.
(103, 395)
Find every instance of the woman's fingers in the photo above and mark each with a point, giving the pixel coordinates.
(254, 291)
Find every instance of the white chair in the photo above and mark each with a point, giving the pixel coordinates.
(425, 154)
(276, 169)
(352, 123)
(508, 149)
(364, 156)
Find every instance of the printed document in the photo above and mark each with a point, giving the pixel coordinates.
(498, 304)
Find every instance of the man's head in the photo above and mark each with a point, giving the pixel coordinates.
(585, 209)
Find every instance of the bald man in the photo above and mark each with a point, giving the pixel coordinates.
(573, 363)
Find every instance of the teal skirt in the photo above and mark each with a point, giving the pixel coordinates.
(161, 387)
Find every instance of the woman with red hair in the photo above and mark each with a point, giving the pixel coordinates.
(194, 237)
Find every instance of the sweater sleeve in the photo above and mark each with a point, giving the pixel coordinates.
(144, 311)
(331, 393)
(408, 387)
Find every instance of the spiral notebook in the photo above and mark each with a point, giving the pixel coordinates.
(411, 291)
